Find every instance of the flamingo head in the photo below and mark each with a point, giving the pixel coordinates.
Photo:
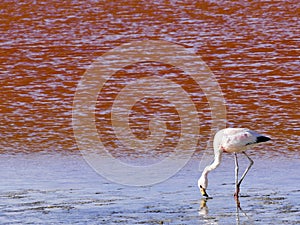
(203, 192)
(202, 184)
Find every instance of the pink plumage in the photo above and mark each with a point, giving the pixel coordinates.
(232, 140)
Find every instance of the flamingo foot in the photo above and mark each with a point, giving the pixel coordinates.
(238, 204)
(236, 194)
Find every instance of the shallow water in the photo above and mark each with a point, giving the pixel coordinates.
(46, 47)
(54, 189)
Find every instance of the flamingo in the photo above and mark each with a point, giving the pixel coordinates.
(231, 140)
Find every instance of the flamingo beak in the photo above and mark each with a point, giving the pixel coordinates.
(203, 192)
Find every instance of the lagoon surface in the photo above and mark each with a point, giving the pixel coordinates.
(248, 50)
(63, 189)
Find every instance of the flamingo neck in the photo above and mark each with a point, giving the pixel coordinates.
(203, 180)
(214, 165)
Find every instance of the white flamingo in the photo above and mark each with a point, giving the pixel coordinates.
(231, 140)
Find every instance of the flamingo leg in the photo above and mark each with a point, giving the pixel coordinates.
(248, 168)
(237, 182)
(237, 188)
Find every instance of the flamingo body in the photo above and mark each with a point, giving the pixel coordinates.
(237, 139)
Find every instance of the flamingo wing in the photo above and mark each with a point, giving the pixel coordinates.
(238, 139)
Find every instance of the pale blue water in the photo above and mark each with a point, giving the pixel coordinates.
(63, 189)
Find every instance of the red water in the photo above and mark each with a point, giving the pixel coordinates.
(46, 46)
